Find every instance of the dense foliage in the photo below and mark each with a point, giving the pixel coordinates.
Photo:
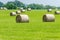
(17, 4)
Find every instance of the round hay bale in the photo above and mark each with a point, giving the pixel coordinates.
(23, 10)
(57, 12)
(18, 12)
(4, 8)
(22, 18)
(12, 14)
(48, 18)
(1, 8)
(49, 10)
(56, 8)
(29, 9)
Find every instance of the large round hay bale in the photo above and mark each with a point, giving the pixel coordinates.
(12, 14)
(48, 18)
(49, 10)
(18, 12)
(57, 12)
(22, 18)
(28, 9)
(22, 10)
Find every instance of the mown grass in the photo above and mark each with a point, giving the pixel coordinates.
(36, 29)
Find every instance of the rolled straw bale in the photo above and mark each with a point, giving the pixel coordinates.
(1, 8)
(4, 8)
(48, 18)
(22, 18)
(28, 9)
(12, 14)
(57, 12)
(22, 10)
(49, 10)
(18, 12)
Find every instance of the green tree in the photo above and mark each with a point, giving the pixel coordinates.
(19, 4)
(10, 5)
(49, 7)
(35, 6)
(58, 7)
(1, 4)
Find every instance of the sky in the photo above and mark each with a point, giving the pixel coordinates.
(44, 2)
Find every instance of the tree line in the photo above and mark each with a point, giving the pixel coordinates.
(17, 4)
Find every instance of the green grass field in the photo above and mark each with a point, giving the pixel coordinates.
(36, 29)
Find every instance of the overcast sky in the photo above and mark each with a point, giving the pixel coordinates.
(45, 2)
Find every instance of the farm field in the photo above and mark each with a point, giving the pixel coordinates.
(36, 29)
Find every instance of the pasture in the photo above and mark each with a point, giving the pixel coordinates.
(36, 29)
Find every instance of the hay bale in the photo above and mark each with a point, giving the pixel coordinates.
(48, 18)
(49, 10)
(56, 8)
(18, 12)
(12, 14)
(4, 8)
(22, 18)
(1, 8)
(22, 10)
(29, 9)
(57, 12)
